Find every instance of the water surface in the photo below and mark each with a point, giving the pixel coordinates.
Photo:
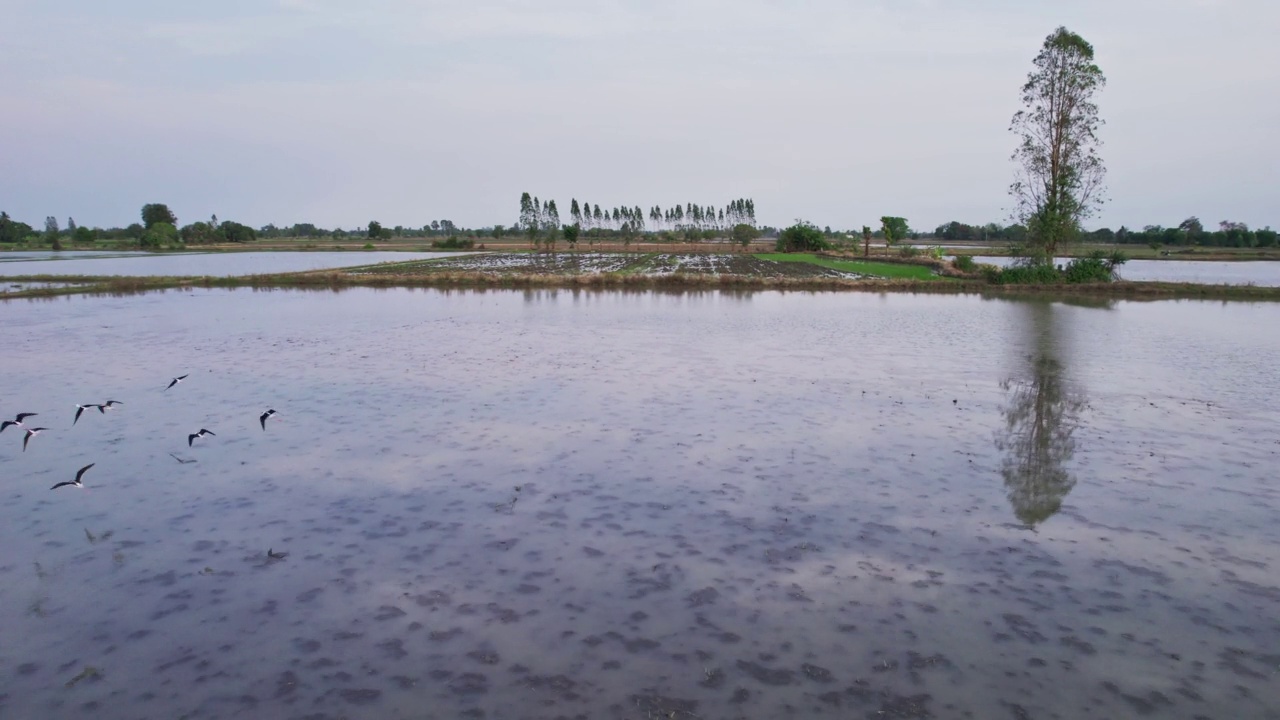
(201, 264)
(1208, 272)
(569, 504)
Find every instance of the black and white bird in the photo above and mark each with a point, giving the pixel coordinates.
(175, 381)
(192, 437)
(81, 408)
(75, 482)
(263, 418)
(31, 432)
(16, 421)
(108, 405)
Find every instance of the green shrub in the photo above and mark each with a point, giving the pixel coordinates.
(907, 251)
(453, 243)
(965, 263)
(1028, 274)
(1086, 270)
(801, 237)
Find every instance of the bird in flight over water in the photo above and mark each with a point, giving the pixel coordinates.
(263, 418)
(81, 408)
(31, 432)
(16, 421)
(192, 437)
(175, 381)
(75, 482)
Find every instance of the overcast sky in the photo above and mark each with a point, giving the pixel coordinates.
(834, 111)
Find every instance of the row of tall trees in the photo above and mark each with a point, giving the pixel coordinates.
(543, 217)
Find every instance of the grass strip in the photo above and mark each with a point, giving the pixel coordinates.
(862, 267)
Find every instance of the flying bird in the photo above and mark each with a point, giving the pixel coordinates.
(272, 554)
(263, 418)
(176, 380)
(108, 405)
(31, 432)
(75, 482)
(192, 437)
(184, 462)
(81, 408)
(16, 421)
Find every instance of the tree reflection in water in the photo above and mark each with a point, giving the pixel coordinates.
(1041, 415)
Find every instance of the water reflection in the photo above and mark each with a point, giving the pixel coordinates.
(1041, 414)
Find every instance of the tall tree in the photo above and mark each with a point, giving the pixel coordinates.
(153, 213)
(551, 219)
(894, 229)
(1060, 174)
(575, 212)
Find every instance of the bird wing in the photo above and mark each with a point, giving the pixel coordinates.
(25, 439)
(208, 432)
(67, 482)
(263, 419)
(171, 383)
(24, 416)
(6, 424)
(101, 409)
(192, 438)
(82, 470)
(79, 409)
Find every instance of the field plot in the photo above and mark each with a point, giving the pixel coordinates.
(627, 264)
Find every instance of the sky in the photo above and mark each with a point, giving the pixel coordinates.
(832, 111)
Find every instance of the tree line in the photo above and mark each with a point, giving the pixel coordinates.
(159, 228)
(1189, 232)
(541, 218)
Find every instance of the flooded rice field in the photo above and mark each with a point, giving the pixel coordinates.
(1208, 272)
(193, 264)
(573, 263)
(558, 504)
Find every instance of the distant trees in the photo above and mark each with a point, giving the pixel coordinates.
(153, 213)
(980, 233)
(894, 229)
(571, 233)
(375, 229)
(743, 234)
(693, 220)
(160, 234)
(236, 233)
(1060, 173)
(801, 237)
(12, 231)
(1191, 232)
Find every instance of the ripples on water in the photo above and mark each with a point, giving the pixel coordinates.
(559, 504)
(194, 264)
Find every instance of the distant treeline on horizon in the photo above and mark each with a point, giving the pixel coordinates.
(688, 222)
